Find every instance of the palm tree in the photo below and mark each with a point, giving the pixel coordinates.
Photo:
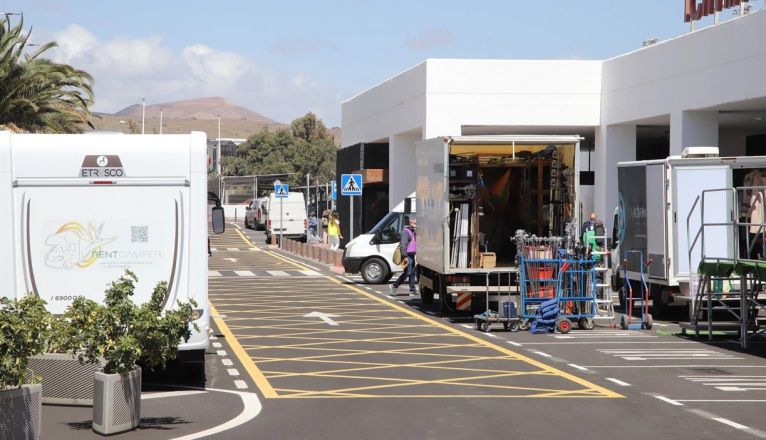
(37, 94)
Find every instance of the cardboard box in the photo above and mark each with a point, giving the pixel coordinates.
(487, 260)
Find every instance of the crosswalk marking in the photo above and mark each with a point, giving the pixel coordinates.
(213, 273)
(599, 334)
(262, 273)
(311, 273)
(730, 383)
(278, 273)
(643, 354)
(244, 273)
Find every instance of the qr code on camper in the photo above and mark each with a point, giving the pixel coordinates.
(139, 234)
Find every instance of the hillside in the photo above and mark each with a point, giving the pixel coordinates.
(201, 109)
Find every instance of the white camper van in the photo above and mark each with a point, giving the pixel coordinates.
(371, 253)
(77, 210)
(286, 216)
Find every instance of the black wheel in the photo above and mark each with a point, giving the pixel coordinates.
(479, 322)
(506, 326)
(624, 322)
(247, 226)
(514, 326)
(586, 323)
(426, 295)
(524, 324)
(648, 323)
(563, 325)
(375, 271)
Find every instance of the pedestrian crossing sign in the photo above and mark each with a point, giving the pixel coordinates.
(281, 191)
(351, 184)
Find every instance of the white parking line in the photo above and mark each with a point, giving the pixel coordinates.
(670, 401)
(217, 344)
(581, 368)
(541, 353)
(251, 407)
(618, 382)
(515, 344)
(160, 395)
(232, 372)
(240, 384)
(730, 423)
(221, 352)
(227, 362)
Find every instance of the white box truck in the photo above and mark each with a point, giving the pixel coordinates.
(286, 216)
(77, 210)
(473, 193)
(654, 201)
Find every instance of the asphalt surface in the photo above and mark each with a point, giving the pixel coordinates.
(299, 352)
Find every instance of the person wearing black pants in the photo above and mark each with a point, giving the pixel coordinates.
(408, 246)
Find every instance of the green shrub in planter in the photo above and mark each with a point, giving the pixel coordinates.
(121, 334)
(24, 331)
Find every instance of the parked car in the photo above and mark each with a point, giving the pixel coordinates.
(371, 253)
(255, 214)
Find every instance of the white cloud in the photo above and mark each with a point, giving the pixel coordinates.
(128, 69)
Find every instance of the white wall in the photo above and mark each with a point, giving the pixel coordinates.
(394, 106)
(511, 93)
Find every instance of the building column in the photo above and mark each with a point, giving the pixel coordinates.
(402, 167)
(693, 129)
(614, 143)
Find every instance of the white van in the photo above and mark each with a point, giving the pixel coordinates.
(77, 210)
(371, 253)
(255, 215)
(293, 216)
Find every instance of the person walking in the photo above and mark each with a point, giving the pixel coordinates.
(333, 231)
(408, 246)
(326, 215)
(313, 224)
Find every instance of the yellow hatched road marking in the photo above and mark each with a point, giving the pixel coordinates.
(247, 362)
(592, 390)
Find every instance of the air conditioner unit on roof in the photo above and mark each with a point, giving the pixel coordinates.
(691, 152)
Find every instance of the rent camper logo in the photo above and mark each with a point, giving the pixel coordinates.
(74, 245)
(102, 166)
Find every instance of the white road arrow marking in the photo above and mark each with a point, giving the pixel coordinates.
(233, 260)
(323, 316)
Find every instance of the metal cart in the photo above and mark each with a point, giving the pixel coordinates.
(506, 313)
(577, 295)
(627, 288)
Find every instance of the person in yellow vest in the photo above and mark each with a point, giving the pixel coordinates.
(333, 231)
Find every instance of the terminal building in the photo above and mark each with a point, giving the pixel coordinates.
(704, 88)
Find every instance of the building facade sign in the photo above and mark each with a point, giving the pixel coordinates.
(696, 9)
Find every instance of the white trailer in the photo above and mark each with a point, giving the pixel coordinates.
(654, 201)
(498, 184)
(77, 210)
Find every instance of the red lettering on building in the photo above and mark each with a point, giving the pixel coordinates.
(696, 9)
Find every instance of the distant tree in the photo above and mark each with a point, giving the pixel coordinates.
(133, 127)
(235, 166)
(37, 94)
(306, 148)
(309, 128)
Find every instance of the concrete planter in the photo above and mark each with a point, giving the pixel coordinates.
(21, 412)
(67, 381)
(116, 401)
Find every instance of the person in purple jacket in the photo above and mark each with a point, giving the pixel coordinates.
(409, 246)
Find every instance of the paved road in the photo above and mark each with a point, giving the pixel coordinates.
(299, 352)
(364, 364)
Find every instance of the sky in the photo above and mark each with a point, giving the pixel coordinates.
(284, 58)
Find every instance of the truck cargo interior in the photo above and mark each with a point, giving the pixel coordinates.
(495, 190)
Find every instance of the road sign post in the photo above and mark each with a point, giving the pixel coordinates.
(281, 191)
(351, 185)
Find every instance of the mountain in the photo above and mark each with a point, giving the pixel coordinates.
(197, 109)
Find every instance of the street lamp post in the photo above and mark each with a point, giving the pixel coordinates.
(218, 150)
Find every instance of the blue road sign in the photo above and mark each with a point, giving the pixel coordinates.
(334, 195)
(281, 191)
(351, 184)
